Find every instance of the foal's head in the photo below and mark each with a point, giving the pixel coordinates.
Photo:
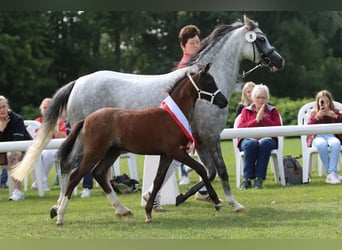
(206, 87)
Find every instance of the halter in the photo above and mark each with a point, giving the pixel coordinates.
(261, 64)
(199, 91)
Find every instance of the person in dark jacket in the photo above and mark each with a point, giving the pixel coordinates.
(12, 128)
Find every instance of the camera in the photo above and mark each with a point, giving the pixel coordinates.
(322, 102)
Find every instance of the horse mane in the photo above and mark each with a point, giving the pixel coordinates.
(216, 35)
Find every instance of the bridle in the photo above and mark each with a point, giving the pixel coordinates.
(251, 37)
(199, 91)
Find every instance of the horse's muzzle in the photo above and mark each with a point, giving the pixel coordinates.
(220, 100)
(274, 61)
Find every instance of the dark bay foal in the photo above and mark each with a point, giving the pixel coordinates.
(163, 131)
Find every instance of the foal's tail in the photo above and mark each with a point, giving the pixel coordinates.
(59, 103)
(67, 146)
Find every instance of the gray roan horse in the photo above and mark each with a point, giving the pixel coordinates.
(225, 48)
(107, 132)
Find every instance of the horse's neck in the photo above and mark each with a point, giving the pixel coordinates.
(226, 61)
(185, 96)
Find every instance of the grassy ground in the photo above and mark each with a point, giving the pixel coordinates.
(295, 212)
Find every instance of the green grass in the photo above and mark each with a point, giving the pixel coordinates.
(295, 212)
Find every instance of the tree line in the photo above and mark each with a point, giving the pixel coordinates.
(43, 50)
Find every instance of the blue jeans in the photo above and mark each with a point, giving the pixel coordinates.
(257, 156)
(322, 143)
(4, 175)
(88, 180)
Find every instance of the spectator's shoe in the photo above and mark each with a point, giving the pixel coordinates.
(185, 180)
(204, 196)
(86, 193)
(45, 186)
(258, 182)
(3, 185)
(16, 195)
(246, 184)
(156, 204)
(333, 178)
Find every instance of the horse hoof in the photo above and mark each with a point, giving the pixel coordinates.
(148, 219)
(180, 199)
(127, 213)
(240, 209)
(53, 212)
(237, 207)
(218, 206)
(59, 224)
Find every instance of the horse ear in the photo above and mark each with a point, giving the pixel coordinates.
(207, 67)
(249, 24)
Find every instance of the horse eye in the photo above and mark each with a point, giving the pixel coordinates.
(261, 39)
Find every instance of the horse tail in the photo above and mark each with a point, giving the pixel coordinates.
(59, 103)
(67, 146)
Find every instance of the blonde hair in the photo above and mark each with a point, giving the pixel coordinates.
(244, 97)
(328, 95)
(46, 100)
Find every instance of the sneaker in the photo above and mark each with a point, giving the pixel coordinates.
(204, 196)
(3, 185)
(16, 195)
(333, 178)
(45, 186)
(246, 184)
(185, 180)
(86, 193)
(156, 204)
(258, 182)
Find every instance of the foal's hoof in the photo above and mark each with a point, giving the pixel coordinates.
(124, 214)
(59, 224)
(218, 206)
(148, 219)
(53, 212)
(180, 199)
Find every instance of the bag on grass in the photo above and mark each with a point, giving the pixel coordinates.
(123, 184)
(293, 170)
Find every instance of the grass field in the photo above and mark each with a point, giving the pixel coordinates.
(311, 211)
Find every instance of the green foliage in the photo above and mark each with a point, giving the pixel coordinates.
(43, 50)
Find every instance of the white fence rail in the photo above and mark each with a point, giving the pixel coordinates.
(290, 130)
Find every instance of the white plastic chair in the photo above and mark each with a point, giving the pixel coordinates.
(309, 152)
(276, 159)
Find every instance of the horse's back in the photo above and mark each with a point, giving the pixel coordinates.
(115, 89)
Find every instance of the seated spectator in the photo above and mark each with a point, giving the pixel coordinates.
(246, 97)
(12, 128)
(325, 112)
(48, 156)
(257, 150)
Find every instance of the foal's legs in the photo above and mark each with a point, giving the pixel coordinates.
(101, 176)
(209, 151)
(158, 181)
(75, 178)
(201, 171)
